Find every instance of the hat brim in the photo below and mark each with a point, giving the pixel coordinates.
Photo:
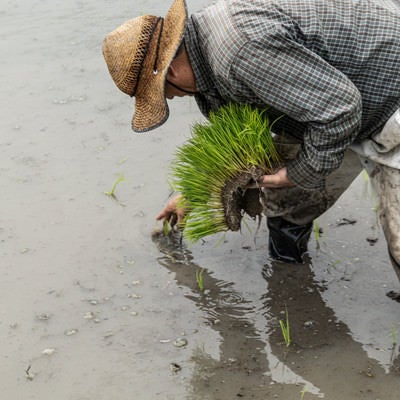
(151, 108)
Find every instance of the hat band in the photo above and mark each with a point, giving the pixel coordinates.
(155, 70)
(147, 49)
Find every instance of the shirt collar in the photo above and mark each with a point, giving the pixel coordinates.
(202, 71)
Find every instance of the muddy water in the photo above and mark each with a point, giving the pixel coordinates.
(96, 307)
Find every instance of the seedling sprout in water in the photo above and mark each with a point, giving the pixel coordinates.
(394, 343)
(166, 228)
(303, 392)
(368, 189)
(111, 193)
(285, 328)
(199, 279)
(394, 335)
(317, 231)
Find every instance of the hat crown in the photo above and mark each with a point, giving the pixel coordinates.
(125, 50)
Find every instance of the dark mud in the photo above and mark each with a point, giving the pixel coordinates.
(237, 200)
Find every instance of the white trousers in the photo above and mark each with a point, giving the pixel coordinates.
(380, 157)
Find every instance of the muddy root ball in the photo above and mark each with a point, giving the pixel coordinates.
(237, 200)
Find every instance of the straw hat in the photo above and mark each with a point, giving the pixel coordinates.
(138, 55)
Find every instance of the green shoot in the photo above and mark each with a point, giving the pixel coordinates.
(199, 279)
(334, 263)
(166, 228)
(365, 175)
(246, 224)
(120, 162)
(285, 328)
(112, 191)
(220, 240)
(375, 208)
(368, 188)
(303, 392)
(317, 232)
(234, 140)
(366, 184)
(394, 335)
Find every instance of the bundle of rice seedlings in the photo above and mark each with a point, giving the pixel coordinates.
(213, 168)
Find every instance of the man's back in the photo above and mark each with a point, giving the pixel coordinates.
(361, 39)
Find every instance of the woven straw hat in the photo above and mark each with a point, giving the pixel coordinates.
(138, 55)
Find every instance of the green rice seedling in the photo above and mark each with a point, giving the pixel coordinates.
(375, 208)
(334, 263)
(247, 225)
(368, 189)
(123, 161)
(235, 142)
(199, 279)
(303, 392)
(220, 240)
(395, 351)
(394, 335)
(111, 193)
(166, 228)
(285, 328)
(366, 185)
(317, 232)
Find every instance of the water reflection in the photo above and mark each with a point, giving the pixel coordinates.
(322, 348)
(323, 360)
(242, 363)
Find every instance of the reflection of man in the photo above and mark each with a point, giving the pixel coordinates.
(331, 68)
(322, 347)
(322, 351)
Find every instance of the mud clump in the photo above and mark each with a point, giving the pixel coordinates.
(237, 200)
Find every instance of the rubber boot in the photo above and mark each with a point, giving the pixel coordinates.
(288, 241)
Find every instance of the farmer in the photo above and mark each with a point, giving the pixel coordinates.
(329, 68)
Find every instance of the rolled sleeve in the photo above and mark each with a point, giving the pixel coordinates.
(323, 147)
(300, 84)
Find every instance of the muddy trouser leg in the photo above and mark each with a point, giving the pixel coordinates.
(381, 159)
(386, 184)
(290, 211)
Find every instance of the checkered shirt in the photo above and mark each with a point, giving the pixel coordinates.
(331, 68)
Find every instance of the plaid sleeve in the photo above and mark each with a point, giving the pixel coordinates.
(300, 84)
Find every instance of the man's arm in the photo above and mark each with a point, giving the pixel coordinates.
(297, 82)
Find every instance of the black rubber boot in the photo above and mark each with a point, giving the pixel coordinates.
(288, 241)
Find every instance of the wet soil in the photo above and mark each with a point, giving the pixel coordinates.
(93, 304)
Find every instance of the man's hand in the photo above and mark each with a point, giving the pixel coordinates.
(173, 212)
(277, 180)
